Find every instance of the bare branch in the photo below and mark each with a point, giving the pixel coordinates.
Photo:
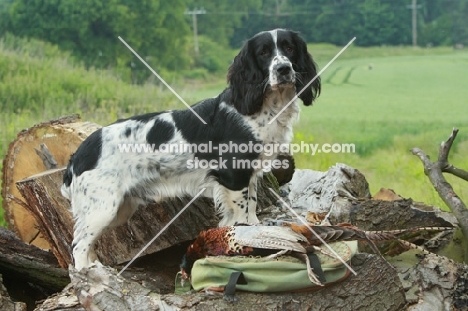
(434, 171)
(444, 164)
(445, 146)
(456, 171)
(423, 157)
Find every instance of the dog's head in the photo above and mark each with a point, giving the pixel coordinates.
(271, 59)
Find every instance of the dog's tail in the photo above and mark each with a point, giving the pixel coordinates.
(65, 190)
(67, 182)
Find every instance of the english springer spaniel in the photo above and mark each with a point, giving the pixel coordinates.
(106, 185)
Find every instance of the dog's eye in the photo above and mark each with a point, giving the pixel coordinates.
(265, 53)
(289, 49)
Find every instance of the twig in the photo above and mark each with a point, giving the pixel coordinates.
(434, 170)
(443, 158)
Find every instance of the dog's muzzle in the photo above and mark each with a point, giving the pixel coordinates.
(282, 72)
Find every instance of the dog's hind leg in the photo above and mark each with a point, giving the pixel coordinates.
(127, 209)
(96, 224)
(88, 228)
(95, 208)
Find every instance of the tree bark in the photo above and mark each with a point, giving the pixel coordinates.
(399, 214)
(438, 284)
(434, 171)
(51, 212)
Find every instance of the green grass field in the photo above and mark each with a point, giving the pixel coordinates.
(385, 100)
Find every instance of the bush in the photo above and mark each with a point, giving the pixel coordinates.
(196, 74)
(213, 57)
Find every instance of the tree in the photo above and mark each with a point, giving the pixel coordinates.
(458, 14)
(372, 22)
(90, 28)
(5, 23)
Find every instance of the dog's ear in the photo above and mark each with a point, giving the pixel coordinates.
(307, 69)
(245, 82)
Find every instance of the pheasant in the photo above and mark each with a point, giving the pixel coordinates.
(273, 241)
(270, 241)
(247, 241)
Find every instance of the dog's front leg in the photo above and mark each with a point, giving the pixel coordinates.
(237, 206)
(252, 201)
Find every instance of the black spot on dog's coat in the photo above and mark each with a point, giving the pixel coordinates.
(160, 133)
(85, 158)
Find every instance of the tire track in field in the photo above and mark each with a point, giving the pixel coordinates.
(348, 75)
(335, 75)
(332, 75)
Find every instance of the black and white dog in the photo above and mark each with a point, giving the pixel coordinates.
(106, 185)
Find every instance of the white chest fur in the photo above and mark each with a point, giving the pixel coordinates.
(280, 130)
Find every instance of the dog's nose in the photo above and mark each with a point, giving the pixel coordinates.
(283, 69)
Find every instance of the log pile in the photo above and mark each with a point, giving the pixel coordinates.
(339, 195)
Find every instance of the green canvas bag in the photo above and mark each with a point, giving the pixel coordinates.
(262, 274)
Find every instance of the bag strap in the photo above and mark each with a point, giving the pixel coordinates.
(230, 288)
(317, 267)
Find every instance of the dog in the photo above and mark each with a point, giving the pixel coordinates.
(106, 184)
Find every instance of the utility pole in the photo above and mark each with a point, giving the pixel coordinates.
(415, 23)
(414, 7)
(194, 14)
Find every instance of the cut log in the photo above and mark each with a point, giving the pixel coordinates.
(30, 263)
(53, 217)
(61, 138)
(51, 211)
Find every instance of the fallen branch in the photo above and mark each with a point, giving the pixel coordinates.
(434, 171)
